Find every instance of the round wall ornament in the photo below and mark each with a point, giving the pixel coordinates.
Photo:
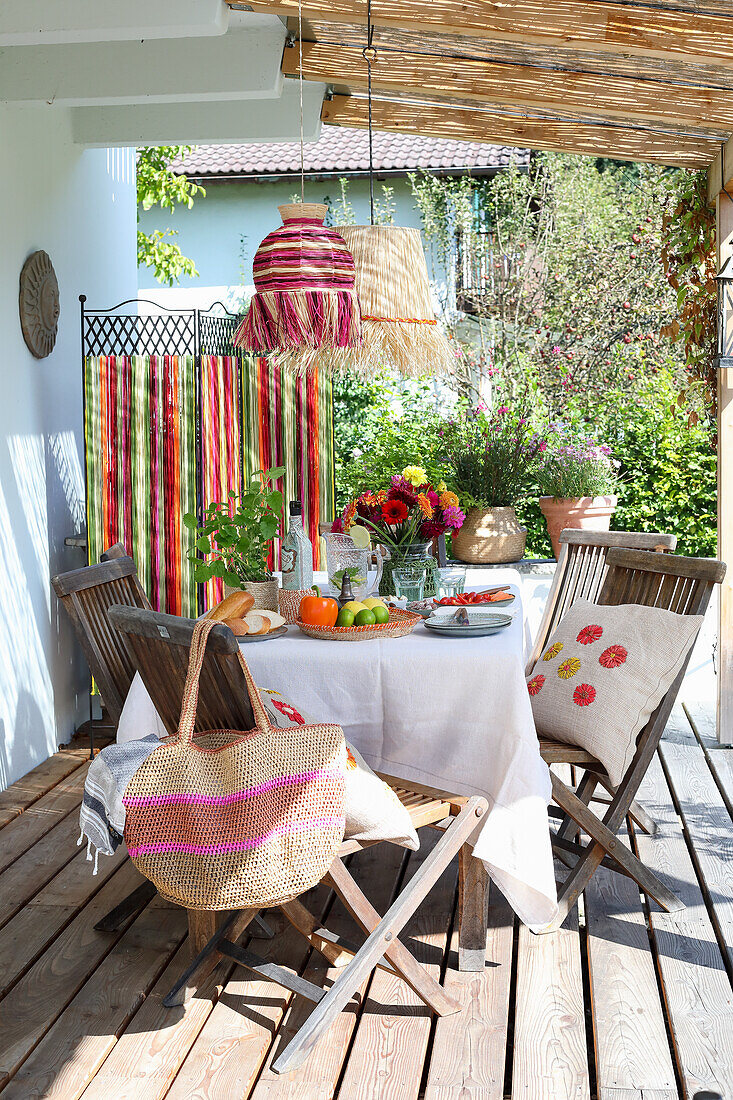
(39, 304)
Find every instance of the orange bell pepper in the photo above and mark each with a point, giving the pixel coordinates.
(318, 610)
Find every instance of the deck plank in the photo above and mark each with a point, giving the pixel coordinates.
(36, 867)
(147, 1056)
(550, 1055)
(42, 994)
(695, 985)
(632, 1049)
(31, 931)
(392, 1034)
(68, 1056)
(37, 820)
(707, 821)
(469, 1047)
(375, 870)
(719, 757)
(16, 798)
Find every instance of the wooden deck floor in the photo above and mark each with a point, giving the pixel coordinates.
(624, 1002)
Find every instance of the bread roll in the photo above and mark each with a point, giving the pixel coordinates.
(237, 626)
(235, 606)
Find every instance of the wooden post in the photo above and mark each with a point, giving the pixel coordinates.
(724, 225)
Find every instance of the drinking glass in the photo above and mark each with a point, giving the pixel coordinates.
(449, 581)
(409, 581)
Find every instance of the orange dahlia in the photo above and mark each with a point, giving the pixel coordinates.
(448, 499)
(425, 506)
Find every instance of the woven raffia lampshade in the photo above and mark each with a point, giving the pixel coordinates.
(399, 329)
(305, 301)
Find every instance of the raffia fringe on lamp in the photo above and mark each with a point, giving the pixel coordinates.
(305, 302)
(399, 328)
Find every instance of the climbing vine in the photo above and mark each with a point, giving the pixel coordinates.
(689, 259)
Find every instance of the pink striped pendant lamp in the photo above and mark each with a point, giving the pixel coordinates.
(305, 310)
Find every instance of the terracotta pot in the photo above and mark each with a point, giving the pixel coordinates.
(264, 592)
(490, 536)
(582, 513)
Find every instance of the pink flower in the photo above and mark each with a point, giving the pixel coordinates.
(543, 445)
(502, 410)
(433, 497)
(453, 516)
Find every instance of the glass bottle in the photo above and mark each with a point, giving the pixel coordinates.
(297, 552)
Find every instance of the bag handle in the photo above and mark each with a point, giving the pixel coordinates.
(189, 705)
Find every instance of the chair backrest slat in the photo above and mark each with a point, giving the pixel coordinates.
(87, 595)
(160, 645)
(581, 570)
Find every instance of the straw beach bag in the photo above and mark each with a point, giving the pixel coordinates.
(227, 819)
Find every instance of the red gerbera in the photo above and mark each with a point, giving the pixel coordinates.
(584, 695)
(589, 634)
(394, 511)
(612, 657)
(535, 684)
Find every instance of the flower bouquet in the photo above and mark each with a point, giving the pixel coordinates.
(405, 518)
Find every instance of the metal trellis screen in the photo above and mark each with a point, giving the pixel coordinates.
(175, 417)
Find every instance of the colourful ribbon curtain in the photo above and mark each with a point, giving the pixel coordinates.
(288, 421)
(141, 468)
(141, 418)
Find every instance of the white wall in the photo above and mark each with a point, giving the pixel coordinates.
(80, 207)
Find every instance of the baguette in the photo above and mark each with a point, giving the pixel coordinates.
(238, 626)
(235, 606)
(258, 622)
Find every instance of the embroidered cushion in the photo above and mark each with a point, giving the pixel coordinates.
(604, 671)
(373, 810)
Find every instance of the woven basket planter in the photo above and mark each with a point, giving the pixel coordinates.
(401, 623)
(490, 536)
(264, 592)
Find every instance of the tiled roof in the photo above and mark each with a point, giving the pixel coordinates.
(343, 150)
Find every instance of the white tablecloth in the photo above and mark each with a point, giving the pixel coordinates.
(449, 713)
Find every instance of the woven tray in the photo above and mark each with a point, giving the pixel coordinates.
(400, 624)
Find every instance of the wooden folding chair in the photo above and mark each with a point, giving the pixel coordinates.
(87, 594)
(581, 570)
(161, 645)
(682, 585)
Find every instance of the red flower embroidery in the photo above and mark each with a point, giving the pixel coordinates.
(589, 634)
(289, 712)
(584, 695)
(535, 685)
(612, 657)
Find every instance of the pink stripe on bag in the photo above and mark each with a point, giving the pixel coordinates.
(195, 799)
(241, 846)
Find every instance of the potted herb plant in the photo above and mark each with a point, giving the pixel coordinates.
(236, 536)
(578, 481)
(493, 456)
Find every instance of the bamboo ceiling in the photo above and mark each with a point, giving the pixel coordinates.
(646, 80)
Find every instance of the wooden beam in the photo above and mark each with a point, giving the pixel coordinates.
(724, 227)
(477, 124)
(664, 28)
(578, 95)
(720, 172)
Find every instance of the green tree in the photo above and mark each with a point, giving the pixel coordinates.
(158, 185)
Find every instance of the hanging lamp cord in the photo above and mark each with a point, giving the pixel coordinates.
(300, 89)
(369, 54)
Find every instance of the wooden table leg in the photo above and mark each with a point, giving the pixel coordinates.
(473, 910)
(202, 924)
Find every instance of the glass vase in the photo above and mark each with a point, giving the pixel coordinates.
(401, 555)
